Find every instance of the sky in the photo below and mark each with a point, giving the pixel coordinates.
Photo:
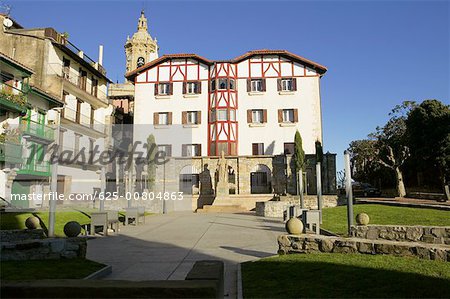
(378, 53)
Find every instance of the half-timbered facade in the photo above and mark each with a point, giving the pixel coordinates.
(250, 105)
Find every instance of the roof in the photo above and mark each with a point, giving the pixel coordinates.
(321, 69)
(49, 97)
(15, 24)
(16, 64)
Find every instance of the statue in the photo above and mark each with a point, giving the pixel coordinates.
(222, 189)
(222, 169)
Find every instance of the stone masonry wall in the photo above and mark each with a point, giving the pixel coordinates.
(276, 208)
(38, 249)
(426, 234)
(290, 244)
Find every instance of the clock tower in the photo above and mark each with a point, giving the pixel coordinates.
(141, 47)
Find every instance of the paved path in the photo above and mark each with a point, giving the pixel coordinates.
(167, 246)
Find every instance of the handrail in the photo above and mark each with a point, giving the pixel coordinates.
(84, 120)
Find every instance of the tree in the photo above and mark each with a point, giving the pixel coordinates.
(151, 167)
(428, 131)
(391, 143)
(363, 159)
(299, 163)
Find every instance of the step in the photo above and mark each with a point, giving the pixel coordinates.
(221, 209)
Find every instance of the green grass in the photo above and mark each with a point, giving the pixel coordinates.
(17, 220)
(344, 275)
(48, 269)
(335, 219)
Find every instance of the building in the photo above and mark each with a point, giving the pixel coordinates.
(248, 107)
(64, 74)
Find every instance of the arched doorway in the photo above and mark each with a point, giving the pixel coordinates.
(260, 179)
(189, 180)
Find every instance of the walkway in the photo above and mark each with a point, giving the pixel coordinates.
(167, 246)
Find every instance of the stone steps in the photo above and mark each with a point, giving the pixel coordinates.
(308, 243)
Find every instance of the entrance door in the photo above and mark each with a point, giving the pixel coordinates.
(259, 183)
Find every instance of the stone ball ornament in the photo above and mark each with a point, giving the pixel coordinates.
(294, 226)
(72, 229)
(32, 222)
(362, 219)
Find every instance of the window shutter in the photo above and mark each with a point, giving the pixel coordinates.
(184, 117)
(155, 118)
(199, 117)
(169, 118)
(249, 85)
(184, 87)
(280, 115)
(169, 150)
(199, 147)
(171, 88)
(199, 87)
(279, 85)
(294, 84)
(249, 116)
(184, 150)
(156, 89)
(264, 115)
(295, 115)
(263, 84)
(254, 149)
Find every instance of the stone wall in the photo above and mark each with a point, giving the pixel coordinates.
(276, 208)
(14, 235)
(426, 234)
(41, 249)
(290, 244)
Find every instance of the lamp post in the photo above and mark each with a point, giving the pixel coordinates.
(348, 189)
(102, 173)
(54, 178)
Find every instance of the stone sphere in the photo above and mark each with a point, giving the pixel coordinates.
(32, 222)
(362, 219)
(294, 226)
(72, 229)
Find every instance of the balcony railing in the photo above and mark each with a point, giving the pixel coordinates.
(37, 130)
(12, 95)
(35, 168)
(10, 152)
(83, 119)
(78, 80)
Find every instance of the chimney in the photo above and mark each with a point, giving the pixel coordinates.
(100, 55)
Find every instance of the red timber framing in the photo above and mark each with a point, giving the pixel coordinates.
(226, 99)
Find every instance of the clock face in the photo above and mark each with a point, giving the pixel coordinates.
(140, 61)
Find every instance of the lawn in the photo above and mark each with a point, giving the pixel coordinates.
(48, 269)
(345, 275)
(335, 219)
(17, 220)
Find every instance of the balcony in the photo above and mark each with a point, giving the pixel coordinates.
(37, 132)
(10, 153)
(35, 168)
(81, 123)
(11, 98)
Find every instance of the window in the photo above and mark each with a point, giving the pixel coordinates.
(288, 115)
(164, 89)
(163, 118)
(222, 114)
(233, 115)
(256, 85)
(213, 85)
(66, 68)
(192, 88)
(223, 82)
(286, 85)
(78, 112)
(288, 148)
(232, 84)
(257, 149)
(191, 150)
(166, 149)
(257, 116)
(94, 87)
(192, 118)
(82, 79)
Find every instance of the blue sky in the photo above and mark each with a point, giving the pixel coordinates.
(378, 53)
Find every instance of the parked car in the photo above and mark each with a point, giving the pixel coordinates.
(365, 190)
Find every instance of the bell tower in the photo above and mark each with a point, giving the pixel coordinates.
(141, 47)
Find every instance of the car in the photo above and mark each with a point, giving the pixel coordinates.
(365, 190)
